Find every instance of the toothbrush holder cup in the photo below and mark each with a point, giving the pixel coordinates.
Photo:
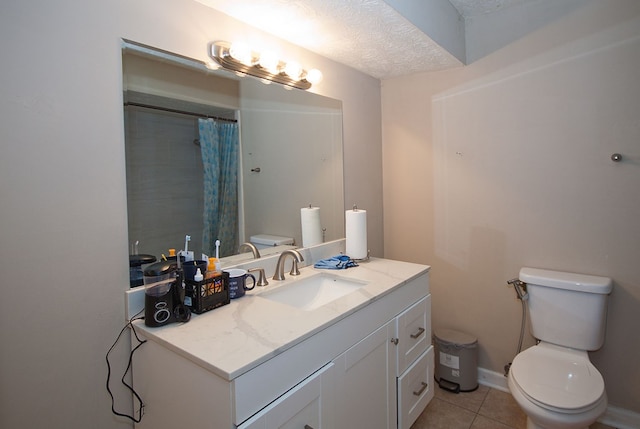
(191, 267)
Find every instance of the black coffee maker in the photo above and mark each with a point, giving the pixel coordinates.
(164, 294)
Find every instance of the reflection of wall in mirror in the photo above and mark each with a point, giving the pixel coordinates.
(297, 144)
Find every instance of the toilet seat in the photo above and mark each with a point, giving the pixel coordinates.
(557, 378)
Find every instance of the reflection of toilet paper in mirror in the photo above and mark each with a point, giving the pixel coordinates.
(311, 228)
(356, 233)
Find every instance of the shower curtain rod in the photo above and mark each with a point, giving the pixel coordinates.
(182, 112)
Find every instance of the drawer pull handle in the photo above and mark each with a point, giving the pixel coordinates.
(417, 334)
(307, 427)
(419, 392)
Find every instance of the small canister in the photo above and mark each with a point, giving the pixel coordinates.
(456, 360)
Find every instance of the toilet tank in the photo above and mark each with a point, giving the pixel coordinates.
(567, 309)
(264, 241)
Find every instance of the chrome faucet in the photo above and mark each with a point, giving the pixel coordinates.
(297, 257)
(254, 249)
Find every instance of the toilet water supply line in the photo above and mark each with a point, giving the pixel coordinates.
(521, 291)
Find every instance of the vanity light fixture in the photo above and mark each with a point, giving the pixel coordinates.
(266, 65)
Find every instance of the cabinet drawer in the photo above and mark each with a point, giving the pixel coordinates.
(414, 333)
(415, 389)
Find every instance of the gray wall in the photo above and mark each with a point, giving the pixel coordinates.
(506, 163)
(63, 235)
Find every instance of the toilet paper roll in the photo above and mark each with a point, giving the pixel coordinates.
(356, 233)
(311, 228)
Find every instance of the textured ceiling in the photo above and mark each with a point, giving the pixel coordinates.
(368, 35)
(468, 8)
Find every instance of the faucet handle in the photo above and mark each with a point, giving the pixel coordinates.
(262, 280)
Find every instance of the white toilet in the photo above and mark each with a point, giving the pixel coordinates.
(554, 382)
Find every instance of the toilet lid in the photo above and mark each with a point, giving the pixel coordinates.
(557, 377)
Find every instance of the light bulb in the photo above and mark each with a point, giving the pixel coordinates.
(293, 70)
(314, 76)
(269, 61)
(241, 52)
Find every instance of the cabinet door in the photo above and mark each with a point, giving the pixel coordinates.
(307, 406)
(414, 333)
(364, 382)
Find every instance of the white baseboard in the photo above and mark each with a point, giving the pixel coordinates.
(620, 418)
(613, 416)
(492, 379)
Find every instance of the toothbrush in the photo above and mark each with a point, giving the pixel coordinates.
(218, 265)
(188, 256)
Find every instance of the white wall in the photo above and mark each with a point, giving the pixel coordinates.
(63, 231)
(506, 163)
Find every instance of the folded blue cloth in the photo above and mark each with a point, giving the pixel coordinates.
(338, 262)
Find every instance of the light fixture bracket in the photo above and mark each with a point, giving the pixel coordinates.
(220, 53)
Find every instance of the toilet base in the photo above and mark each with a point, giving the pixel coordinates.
(532, 425)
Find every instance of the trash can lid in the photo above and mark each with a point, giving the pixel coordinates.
(454, 338)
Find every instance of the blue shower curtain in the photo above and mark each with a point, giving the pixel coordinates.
(219, 143)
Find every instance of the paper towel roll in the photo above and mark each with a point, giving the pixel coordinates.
(311, 228)
(356, 233)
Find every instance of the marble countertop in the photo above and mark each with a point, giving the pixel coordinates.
(237, 337)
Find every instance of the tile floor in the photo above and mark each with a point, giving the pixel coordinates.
(484, 408)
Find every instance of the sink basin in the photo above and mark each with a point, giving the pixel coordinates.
(313, 292)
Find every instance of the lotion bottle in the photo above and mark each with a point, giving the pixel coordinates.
(213, 268)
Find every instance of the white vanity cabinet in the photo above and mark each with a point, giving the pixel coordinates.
(384, 381)
(370, 367)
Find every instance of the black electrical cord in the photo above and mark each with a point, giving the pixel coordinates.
(129, 387)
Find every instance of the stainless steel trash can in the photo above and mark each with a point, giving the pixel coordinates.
(456, 360)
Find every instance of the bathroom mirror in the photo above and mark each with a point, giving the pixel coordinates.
(290, 152)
